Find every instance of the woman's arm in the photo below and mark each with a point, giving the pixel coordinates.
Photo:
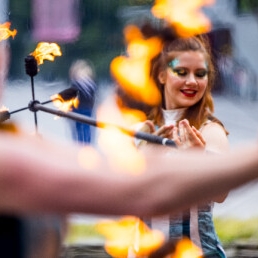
(215, 138)
(41, 177)
(216, 143)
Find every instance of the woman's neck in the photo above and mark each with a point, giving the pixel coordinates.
(171, 116)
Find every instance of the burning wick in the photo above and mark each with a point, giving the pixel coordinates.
(43, 51)
(62, 96)
(66, 95)
(66, 99)
(4, 115)
(31, 65)
(47, 51)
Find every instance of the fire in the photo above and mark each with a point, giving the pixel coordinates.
(4, 108)
(118, 147)
(129, 237)
(132, 72)
(133, 116)
(185, 16)
(186, 249)
(64, 105)
(5, 31)
(122, 155)
(46, 51)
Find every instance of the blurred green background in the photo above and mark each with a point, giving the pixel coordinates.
(101, 38)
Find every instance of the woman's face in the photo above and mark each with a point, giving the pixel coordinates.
(185, 79)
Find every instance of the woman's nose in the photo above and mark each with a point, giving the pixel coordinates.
(191, 79)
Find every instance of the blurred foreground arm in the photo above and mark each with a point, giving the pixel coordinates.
(39, 176)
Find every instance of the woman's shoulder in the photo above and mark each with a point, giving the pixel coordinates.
(213, 127)
(214, 123)
(215, 136)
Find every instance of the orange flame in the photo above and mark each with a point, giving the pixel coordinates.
(133, 72)
(118, 147)
(46, 51)
(5, 31)
(186, 249)
(64, 105)
(185, 16)
(129, 236)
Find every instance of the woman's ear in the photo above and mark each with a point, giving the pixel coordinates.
(162, 77)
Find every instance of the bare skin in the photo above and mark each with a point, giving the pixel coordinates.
(47, 178)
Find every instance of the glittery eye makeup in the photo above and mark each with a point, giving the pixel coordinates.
(201, 73)
(176, 71)
(173, 63)
(181, 71)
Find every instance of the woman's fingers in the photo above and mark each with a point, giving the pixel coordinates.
(147, 127)
(176, 137)
(199, 135)
(165, 131)
(188, 136)
(185, 136)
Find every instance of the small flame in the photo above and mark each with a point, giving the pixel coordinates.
(129, 236)
(5, 31)
(4, 108)
(46, 51)
(64, 105)
(185, 248)
(133, 72)
(185, 16)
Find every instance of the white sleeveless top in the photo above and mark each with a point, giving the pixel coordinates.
(172, 116)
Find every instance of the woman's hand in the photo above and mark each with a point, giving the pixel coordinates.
(186, 136)
(165, 131)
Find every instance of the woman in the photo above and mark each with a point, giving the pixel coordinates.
(184, 74)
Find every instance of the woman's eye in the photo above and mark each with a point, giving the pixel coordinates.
(180, 72)
(201, 74)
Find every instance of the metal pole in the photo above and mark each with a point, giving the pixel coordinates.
(36, 106)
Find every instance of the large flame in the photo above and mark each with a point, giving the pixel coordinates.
(45, 50)
(5, 31)
(185, 16)
(185, 248)
(129, 237)
(119, 148)
(132, 72)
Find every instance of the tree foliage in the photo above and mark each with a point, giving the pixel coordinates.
(101, 37)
